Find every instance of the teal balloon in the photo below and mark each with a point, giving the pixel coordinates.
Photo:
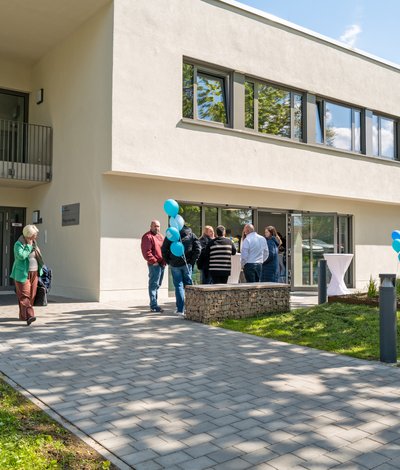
(177, 249)
(177, 222)
(398, 256)
(172, 234)
(171, 207)
(396, 245)
(396, 234)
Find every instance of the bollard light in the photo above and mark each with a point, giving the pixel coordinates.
(388, 318)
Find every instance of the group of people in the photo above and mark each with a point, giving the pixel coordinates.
(213, 255)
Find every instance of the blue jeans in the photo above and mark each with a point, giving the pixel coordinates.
(156, 274)
(252, 272)
(182, 276)
(205, 277)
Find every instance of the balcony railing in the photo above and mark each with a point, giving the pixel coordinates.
(26, 151)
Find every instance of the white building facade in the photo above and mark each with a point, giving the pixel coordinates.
(239, 116)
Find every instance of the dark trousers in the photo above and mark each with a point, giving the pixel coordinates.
(219, 279)
(252, 272)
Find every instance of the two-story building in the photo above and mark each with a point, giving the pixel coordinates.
(108, 108)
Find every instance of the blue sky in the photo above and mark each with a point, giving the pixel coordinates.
(369, 25)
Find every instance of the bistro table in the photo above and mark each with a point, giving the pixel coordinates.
(235, 270)
(338, 264)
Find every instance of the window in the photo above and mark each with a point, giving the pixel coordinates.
(278, 111)
(338, 126)
(205, 94)
(383, 137)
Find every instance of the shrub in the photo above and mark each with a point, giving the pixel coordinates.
(372, 288)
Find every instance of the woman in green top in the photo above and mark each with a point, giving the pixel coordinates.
(25, 271)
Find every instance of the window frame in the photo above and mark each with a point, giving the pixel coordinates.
(217, 73)
(293, 92)
(320, 104)
(381, 116)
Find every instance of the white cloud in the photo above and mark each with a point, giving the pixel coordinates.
(350, 35)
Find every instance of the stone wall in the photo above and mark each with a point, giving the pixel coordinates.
(207, 303)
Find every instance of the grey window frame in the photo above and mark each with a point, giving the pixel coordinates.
(353, 109)
(213, 72)
(396, 132)
(293, 92)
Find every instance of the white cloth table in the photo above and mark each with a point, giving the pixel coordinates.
(235, 270)
(338, 264)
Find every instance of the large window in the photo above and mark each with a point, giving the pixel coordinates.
(383, 137)
(338, 126)
(205, 94)
(273, 110)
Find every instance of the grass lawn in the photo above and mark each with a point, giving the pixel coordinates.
(31, 440)
(344, 329)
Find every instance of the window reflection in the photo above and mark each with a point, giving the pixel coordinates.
(187, 95)
(383, 137)
(338, 126)
(249, 105)
(211, 102)
(298, 113)
(273, 111)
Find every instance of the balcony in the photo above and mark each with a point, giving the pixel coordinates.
(26, 152)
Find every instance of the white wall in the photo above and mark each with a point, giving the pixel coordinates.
(76, 78)
(150, 139)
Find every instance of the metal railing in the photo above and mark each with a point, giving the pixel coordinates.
(26, 151)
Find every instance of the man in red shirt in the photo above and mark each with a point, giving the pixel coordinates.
(151, 250)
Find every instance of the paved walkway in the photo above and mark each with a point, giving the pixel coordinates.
(155, 391)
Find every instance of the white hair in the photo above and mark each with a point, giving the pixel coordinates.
(29, 231)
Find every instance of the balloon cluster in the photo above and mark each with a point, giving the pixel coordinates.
(396, 242)
(176, 222)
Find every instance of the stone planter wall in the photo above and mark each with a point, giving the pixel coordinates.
(207, 303)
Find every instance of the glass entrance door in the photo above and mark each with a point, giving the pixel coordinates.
(312, 236)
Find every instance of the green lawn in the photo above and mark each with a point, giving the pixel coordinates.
(31, 440)
(344, 329)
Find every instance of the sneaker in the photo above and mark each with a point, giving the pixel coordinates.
(30, 320)
(181, 314)
(157, 309)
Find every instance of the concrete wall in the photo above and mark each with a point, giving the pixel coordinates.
(150, 139)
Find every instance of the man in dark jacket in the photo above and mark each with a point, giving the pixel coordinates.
(219, 257)
(182, 266)
(205, 239)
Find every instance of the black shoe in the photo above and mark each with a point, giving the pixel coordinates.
(30, 320)
(157, 309)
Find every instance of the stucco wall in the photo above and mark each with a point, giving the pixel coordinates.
(150, 139)
(131, 203)
(76, 78)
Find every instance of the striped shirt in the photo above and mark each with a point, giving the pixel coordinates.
(219, 255)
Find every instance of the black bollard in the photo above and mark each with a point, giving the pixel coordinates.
(322, 287)
(388, 318)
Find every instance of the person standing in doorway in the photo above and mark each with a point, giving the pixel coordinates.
(151, 250)
(270, 268)
(205, 239)
(182, 266)
(254, 253)
(219, 257)
(27, 267)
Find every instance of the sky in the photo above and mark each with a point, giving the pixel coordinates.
(371, 26)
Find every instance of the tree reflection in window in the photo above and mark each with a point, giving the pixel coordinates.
(211, 101)
(187, 91)
(249, 105)
(273, 111)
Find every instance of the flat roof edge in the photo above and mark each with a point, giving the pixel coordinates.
(308, 32)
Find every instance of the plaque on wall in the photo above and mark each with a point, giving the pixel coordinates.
(70, 214)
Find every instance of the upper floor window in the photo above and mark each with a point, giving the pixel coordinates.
(205, 94)
(383, 137)
(338, 126)
(273, 110)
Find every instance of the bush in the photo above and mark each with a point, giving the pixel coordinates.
(372, 288)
